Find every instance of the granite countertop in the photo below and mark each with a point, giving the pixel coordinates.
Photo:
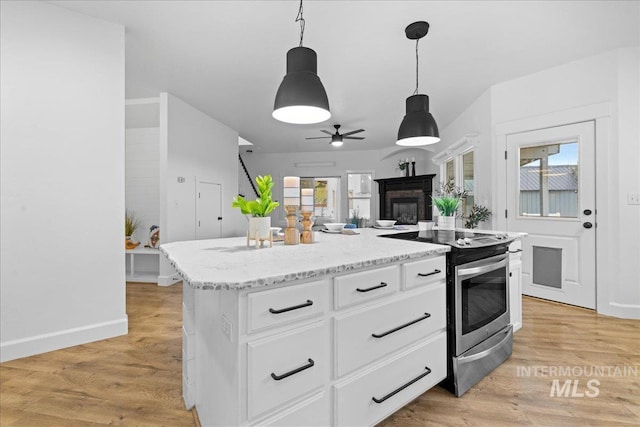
(229, 264)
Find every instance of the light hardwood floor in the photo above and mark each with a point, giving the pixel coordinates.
(135, 380)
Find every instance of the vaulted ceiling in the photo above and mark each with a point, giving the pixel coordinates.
(227, 58)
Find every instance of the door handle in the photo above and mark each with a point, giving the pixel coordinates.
(587, 212)
(587, 225)
(219, 218)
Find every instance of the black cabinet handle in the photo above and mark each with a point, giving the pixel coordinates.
(426, 316)
(436, 271)
(381, 285)
(398, 390)
(295, 371)
(295, 307)
(516, 251)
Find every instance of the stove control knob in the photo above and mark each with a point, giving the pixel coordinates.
(467, 240)
(461, 242)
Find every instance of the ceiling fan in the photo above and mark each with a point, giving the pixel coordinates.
(337, 138)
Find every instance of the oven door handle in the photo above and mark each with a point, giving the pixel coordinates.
(474, 271)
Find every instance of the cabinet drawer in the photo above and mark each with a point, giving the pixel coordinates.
(396, 324)
(313, 412)
(417, 371)
(284, 305)
(423, 272)
(285, 367)
(366, 285)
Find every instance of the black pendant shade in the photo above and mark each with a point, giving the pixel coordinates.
(418, 126)
(301, 98)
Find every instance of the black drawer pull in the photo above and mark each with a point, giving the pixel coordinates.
(295, 371)
(436, 271)
(426, 316)
(295, 307)
(516, 251)
(381, 285)
(398, 390)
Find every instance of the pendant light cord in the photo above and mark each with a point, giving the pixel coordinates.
(300, 19)
(416, 91)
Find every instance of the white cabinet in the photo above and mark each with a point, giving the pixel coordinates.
(515, 284)
(285, 355)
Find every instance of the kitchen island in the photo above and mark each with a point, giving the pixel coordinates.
(344, 331)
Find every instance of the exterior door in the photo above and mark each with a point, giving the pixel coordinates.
(208, 210)
(551, 196)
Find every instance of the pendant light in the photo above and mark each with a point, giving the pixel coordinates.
(418, 126)
(301, 98)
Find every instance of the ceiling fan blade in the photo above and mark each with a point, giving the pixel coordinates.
(352, 137)
(352, 132)
(320, 137)
(327, 132)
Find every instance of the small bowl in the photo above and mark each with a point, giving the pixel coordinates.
(385, 223)
(335, 226)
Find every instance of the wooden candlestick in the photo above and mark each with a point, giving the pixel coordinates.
(307, 234)
(291, 233)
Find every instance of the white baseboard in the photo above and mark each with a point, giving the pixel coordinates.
(38, 344)
(168, 280)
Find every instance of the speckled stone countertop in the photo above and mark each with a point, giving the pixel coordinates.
(229, 264)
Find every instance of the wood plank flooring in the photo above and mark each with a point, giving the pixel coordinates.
(136, 380)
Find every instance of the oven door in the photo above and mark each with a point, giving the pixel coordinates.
(481, 300)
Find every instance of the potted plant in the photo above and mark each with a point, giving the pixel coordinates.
(402, 165)
(477, 215)
(259, 209)
(131, 224)
(447, 202)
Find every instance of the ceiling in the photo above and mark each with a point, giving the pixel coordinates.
(227, 58)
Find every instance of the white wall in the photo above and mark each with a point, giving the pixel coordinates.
(142, 178)
(194, 145)
(612, 77)
(62, 179)
(382, 163)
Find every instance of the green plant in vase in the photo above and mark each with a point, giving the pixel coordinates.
(131, 224)
(447, 201)
(259, 209)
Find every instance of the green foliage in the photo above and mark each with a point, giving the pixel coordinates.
(263, 205)
(448, 199)
(477, 215)
(131, 223)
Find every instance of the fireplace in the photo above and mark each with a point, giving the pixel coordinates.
(405, 209)
(406, 200)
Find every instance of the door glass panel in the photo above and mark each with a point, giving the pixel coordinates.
(359, 195)
(549, 180)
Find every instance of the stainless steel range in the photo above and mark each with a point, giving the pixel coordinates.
(479, 335)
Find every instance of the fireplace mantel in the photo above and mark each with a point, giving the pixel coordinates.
(419, 186)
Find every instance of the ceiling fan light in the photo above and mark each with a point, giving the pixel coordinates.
(301, 97)
(336, 142)
(418, 126)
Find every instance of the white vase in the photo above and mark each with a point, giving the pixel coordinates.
(260, 227)
(446, 222)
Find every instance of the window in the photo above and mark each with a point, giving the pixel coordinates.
(325, 196)
(549, 180)
(468, 182)
(359, 195)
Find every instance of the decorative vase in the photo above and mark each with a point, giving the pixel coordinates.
(446, 222)
(260, 227)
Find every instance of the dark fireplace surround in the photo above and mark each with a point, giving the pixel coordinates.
(406, 196)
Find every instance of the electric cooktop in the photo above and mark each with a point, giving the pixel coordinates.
(457, 239)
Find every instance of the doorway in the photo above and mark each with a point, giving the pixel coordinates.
(208, 210)
(551, 196)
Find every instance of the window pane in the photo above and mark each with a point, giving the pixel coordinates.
(451, 175)
(549, 180)
(359, 194)
(468, 182)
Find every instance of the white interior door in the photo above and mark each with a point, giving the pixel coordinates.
(551, 195)
(208, 210)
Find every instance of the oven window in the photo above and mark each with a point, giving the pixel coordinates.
(484, 299)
